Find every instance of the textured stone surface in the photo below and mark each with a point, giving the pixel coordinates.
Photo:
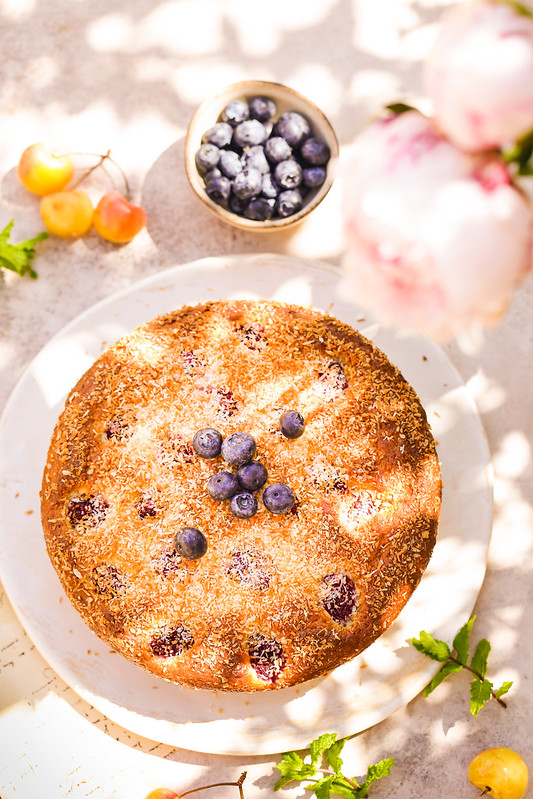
(92, 76)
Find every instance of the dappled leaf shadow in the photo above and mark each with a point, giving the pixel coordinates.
(115, 67)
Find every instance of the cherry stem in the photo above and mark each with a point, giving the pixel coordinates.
(101, 159)
(479, 676)
(237, 784)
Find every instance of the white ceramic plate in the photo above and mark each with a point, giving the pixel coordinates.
(355, 696)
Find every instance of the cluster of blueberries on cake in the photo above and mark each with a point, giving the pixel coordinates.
(258, 168)
(238, 449)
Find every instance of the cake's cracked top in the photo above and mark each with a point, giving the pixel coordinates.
(276, 598)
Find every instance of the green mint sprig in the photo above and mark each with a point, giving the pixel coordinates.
(481, 689)
(322, 780)
(18, 257)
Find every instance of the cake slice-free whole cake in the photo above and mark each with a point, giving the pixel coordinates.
(241, 495)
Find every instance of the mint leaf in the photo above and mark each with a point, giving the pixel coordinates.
(292, 767)
(319, 746)
(345, 787)
(282, 782)
(461, 642)
(290, 761)
(18, 257)
(448, 668)
(333, 755)
(376, 772)
(480, 693)
(481, 689)
(503, 689)
(322, 788)
(480, 657)
(432, 647)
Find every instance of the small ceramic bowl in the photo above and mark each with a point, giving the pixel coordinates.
(286, 99)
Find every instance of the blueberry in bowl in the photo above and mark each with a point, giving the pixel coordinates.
(274, 156)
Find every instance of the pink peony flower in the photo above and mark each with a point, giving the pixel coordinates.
(479, 75)
(435, 238)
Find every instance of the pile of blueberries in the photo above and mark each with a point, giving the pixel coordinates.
(238, 449)
(259, 168)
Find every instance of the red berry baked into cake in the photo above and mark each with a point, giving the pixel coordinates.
(241, 495)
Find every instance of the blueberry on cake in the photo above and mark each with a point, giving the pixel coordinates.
(241, 495)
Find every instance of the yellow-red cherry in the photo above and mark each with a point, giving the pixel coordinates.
(116, 219)
(500, 772)
(42, 172)
(67, 214)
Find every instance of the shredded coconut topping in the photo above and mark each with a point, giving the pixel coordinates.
(276, 599)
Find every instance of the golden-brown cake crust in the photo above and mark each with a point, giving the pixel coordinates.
(276, 599)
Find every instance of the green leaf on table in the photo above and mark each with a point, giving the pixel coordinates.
(291, 760)
(376, 772)
(480, 693)
(18, 257)
(320, 745)
(322, 788)
(448, 668)
(322, 781)
(292, 767)
(503, 689)
(461, 642)
(432, 647)
(481, 689)
(480, 657)
(345, 787)
(333, 754)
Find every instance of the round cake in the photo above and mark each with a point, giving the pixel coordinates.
(338, 520)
